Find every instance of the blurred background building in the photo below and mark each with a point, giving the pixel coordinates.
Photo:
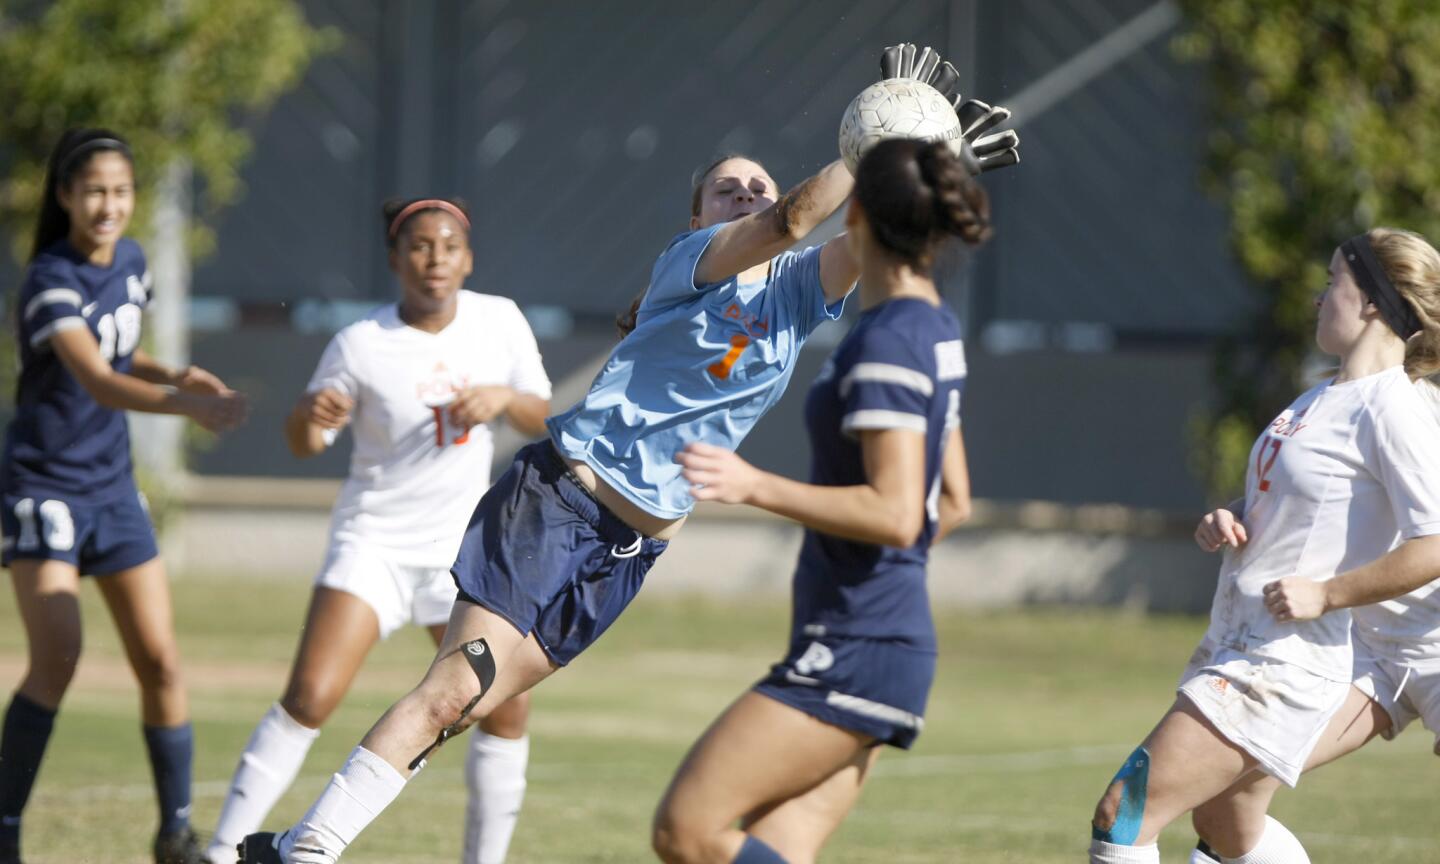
(572, 130)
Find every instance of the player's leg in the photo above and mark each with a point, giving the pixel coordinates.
(340, 629)
(47, 596)
(482, 661)
(499, 749)
(495, 765)
(758, 752)
(799, 827)
(1234, 822)
(139, 601)
(1182, 763)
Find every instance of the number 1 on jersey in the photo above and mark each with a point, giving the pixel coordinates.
(721, 368)
(440, 423)
(1263, 465)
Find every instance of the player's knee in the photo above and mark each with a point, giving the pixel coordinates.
(1119, 813)
(1207, 823)
(159, 669)
(1107, 809)
(672, 843)
(509, 719)
(56, 662)
(443, 709)
(681, 838)
(49, 675)
(310, 704)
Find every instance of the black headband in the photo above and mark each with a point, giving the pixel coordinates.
(1376, 285)
(90, 147)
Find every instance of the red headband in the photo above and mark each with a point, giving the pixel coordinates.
(427, 204)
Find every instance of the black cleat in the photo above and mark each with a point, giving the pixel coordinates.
(179, 847)
(10, 853)
(261, 848)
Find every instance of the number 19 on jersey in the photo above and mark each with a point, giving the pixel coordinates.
(447, 432)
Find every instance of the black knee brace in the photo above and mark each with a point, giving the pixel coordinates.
(482, 662)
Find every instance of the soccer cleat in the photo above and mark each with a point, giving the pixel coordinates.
(261, 848)
(10, 853)
(179, 847)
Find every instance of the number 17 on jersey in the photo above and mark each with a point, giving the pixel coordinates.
(447, 432)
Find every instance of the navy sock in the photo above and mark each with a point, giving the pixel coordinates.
(22, 746)
(755, 852)
(171, 750)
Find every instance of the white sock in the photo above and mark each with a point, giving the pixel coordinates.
(1198, 857)
(1277, 846)
(355, 796)
(495, 773)
(1109, 853)
(268, 766)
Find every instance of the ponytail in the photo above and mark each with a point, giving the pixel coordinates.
(1413, 267)
(625, 322)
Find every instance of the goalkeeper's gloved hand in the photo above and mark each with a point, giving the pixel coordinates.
(983, 152)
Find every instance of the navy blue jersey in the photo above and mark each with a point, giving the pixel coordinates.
(901, 367)
(61, 440)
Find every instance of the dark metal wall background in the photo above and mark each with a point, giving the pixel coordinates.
(572, 128)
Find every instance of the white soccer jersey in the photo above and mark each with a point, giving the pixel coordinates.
(414, 478)
(1337, 480)
(1411, 622)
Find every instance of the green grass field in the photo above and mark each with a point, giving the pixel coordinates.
(1031, 714)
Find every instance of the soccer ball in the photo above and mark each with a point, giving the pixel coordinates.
(895, 108)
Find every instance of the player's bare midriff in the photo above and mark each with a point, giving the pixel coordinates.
(645, 523)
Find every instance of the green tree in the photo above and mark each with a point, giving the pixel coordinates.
(173, 76)
(1324, 124)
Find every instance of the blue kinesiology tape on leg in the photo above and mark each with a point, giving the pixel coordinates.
(1134, 778)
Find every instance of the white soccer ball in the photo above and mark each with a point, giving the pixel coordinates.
(896, 108)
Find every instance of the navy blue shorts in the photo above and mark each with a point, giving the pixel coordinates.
(542, 553)
(97, 538)
(871, 686)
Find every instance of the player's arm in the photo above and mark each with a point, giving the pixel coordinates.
(954, 485)
(887, 510)
(80, 354)
(755, 239)
(527, 413)
(147, 368)
(838, 269)
(317, 417)
(1410, 565)
(191, 379)
(483, 404)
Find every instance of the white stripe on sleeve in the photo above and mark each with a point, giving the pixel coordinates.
(886, 373)
(69, 322)
(53, 295)
(880, 418)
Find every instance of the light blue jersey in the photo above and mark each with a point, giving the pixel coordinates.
(703, 364)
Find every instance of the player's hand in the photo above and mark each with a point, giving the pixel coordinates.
(1220, 528)
(1295, 598)
(995, 150)
(218, 412)
(981, 151)
(475, 405)
(717, 474)
(327, 408)
(197, 380)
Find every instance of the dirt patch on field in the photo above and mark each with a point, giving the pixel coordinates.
(102, 672)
